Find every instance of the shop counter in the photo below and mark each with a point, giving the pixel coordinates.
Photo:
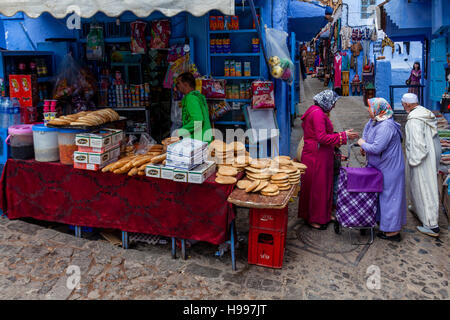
(60, 193)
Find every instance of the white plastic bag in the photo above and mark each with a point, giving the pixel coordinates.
(279, 59)
(145, 143)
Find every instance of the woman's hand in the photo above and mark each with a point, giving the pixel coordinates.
(361, 141)
(351, 135)
(363, 153)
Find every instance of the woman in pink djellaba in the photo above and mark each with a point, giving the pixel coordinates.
(316, 193)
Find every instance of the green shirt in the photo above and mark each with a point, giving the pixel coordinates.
(195, 115)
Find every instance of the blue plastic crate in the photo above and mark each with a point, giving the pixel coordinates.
(83, 229)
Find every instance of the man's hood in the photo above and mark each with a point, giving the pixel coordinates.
(425, 115)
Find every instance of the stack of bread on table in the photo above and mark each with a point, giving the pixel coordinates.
(135, 164)
(266, 176)
(87, 118)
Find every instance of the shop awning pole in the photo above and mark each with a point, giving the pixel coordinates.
(258, 29)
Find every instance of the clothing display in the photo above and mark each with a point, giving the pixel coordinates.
(421, 130)
(383, 147)
(356, 35)
(346, 35)
(337, 70)
(366, 50)
(345, 61)
(355, 48)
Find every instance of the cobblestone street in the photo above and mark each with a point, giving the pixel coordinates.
(34, 258)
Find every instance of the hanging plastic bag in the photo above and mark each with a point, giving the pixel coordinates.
(138, 43)
(145, 143)
(176, 114)
(160, 31)
(279, 59)
(214, 89)
(95, 47)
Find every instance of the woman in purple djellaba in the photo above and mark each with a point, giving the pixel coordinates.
(382, 144)
(414, 78)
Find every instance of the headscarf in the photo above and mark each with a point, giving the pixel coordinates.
(410, 98)
(380, 108)
(326, 99)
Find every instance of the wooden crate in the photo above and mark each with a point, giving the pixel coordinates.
(345, 77)
(345, 90)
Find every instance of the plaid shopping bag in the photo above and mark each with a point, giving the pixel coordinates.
(355, 209)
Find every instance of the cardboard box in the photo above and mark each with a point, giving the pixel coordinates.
(90, 166)
(187, 147)
(96, 158)
(97, 150)
(167, 173)
(153, 170)
(100, 139)
(202, 172)
(180, 175)
(25, 88)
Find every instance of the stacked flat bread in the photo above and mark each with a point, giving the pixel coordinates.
(87, 118)
(266, 176)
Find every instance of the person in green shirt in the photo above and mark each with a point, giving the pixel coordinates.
(195, 112)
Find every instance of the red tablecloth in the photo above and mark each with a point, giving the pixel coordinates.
(60, 193)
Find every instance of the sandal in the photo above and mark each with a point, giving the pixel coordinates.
(322, 226)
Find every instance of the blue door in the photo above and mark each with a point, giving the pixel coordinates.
(438, 60)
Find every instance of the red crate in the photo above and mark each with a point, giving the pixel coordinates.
(25, 89)
(266, 248)
(270, 219)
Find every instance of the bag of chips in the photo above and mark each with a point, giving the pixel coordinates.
(160, 34)
(138, 43)
(263, 97)
(214, 89)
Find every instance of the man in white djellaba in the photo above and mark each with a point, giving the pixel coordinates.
(423, 152)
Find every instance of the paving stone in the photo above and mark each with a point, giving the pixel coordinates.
(94, 294)
(422, 251)
(443, 293)
(24, 227)
(95, 270)
(427, 290)
(63, 252)
(32, 254)
(102, 258)
(203, 271)
(4, 221)
(8, 250)
(82, 262)
(47, 286)
(116, 261)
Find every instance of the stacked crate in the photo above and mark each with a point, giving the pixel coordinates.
(345, 83)
(267, 237)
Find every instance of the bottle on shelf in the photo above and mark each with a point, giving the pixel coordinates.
(46, 111)
(15, 114)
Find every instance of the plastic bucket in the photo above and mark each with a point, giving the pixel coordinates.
(46, 148)
(20, 139)
(66, 144)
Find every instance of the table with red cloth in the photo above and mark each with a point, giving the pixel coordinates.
(60, 193)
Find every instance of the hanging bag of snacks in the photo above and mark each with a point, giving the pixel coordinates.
(95, 47)
(281, 66)
(138, 44)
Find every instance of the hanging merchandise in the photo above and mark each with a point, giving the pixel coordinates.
(337, 70)
(387, 42)
(95, 46)
(346, 35)
(279, 58)
(160, 34)
(213, 89)
(74, 86)
(263, 96)
(138, 43)
(218, 108)
(356, 48)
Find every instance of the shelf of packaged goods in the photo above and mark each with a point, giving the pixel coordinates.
(44, 79)
(127, 108)
(237, 54)
(227, 123)
(237, 78)
(230, 100)
(233, 31)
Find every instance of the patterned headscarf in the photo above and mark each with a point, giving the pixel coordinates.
(326, 99)
(380, 108)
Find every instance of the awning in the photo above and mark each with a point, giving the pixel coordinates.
(305, 19)
(113, 8)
